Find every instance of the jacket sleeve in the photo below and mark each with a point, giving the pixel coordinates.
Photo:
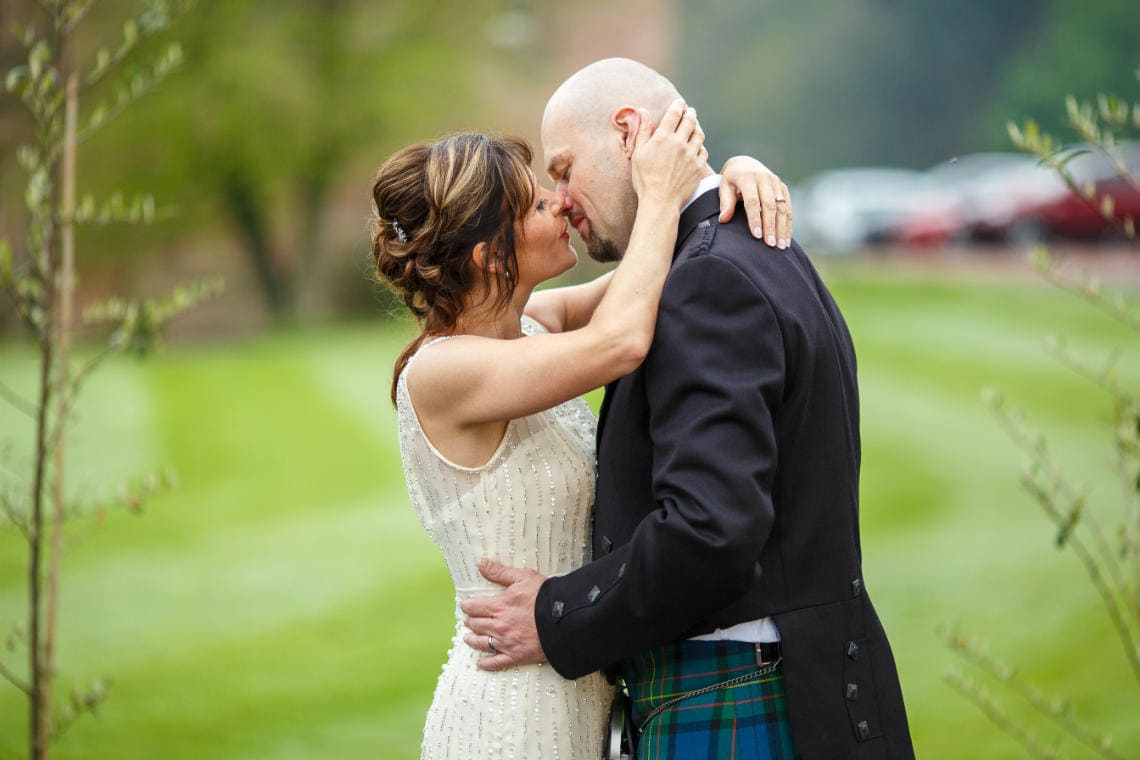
(714, 378)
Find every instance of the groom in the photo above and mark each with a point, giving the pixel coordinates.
(726, 534)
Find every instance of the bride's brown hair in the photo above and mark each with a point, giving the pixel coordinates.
(432, 204)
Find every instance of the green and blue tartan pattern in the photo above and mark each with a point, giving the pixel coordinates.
(748, 721)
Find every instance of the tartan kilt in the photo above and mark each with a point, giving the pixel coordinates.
(742, 722)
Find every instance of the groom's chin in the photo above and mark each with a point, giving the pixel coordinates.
(603, 251)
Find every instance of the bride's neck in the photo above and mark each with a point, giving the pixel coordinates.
(487, 317)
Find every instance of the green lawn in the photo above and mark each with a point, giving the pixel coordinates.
(282, 601)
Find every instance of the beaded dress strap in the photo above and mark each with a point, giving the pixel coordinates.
(433, 341)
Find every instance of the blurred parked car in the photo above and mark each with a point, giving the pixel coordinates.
(1069, 215)
(1001, 197)
(975, 195)
(1012, 197)
(840, 209)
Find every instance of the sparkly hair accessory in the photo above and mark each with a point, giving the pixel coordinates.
(403, 236)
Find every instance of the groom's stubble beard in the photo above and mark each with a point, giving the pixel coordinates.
(603, 251)
(608, 249)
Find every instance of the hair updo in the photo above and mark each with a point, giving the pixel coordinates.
(432, 204)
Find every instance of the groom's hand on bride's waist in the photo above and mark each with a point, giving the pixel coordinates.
(502, 626)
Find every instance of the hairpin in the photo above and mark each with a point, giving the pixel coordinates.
(403, 236)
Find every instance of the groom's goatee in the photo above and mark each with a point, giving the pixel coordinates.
(603, 251)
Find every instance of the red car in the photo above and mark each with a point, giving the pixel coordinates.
(982, 190)
(1064, 213)
(1013, 197)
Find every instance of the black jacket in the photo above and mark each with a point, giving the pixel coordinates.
(728, 489)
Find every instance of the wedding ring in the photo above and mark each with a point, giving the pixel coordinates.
(491, 643)
(781, 199)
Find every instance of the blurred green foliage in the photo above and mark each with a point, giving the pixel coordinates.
(277, 104)
(817, 84)
(276, 100)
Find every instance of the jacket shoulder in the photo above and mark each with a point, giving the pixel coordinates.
(730, 243)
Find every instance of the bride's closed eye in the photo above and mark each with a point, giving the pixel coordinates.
(542, 204)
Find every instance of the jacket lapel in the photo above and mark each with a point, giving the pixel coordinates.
(706, 205)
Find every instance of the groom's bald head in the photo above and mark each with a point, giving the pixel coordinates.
(590, 97)
(589, 130)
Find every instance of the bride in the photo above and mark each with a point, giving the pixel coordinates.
(497, 445)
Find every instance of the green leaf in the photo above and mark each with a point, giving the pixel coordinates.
(40, 55)
(1113, 110)
(130, 33)
(17, 77)
(1107, 206)
(1015, 135)
(39, 187)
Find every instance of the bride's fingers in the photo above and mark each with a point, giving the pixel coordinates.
(644, 129)
(697, 135)
(687, 125)
(672, 117)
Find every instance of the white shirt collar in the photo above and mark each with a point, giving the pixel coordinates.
(706, 184)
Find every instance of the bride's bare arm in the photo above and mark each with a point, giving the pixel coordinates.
(472, 380)
(570, 307)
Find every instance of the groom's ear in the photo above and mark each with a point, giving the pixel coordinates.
(627, 121)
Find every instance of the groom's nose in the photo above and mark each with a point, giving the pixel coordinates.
(560, 185)
(561, 204)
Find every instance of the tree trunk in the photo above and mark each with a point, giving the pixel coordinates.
(66, 284)
(248, 213)
(313, 195)
(39, 746)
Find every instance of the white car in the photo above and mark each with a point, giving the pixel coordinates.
(841, 209)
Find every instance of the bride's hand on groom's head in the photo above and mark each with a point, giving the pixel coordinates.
(667, 160)
(502, 626)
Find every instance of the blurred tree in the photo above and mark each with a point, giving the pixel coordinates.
(818, 83)
(39, 278)
(1077, 47)
(277, 99)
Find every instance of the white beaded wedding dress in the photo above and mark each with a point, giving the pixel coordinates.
(527, 506)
